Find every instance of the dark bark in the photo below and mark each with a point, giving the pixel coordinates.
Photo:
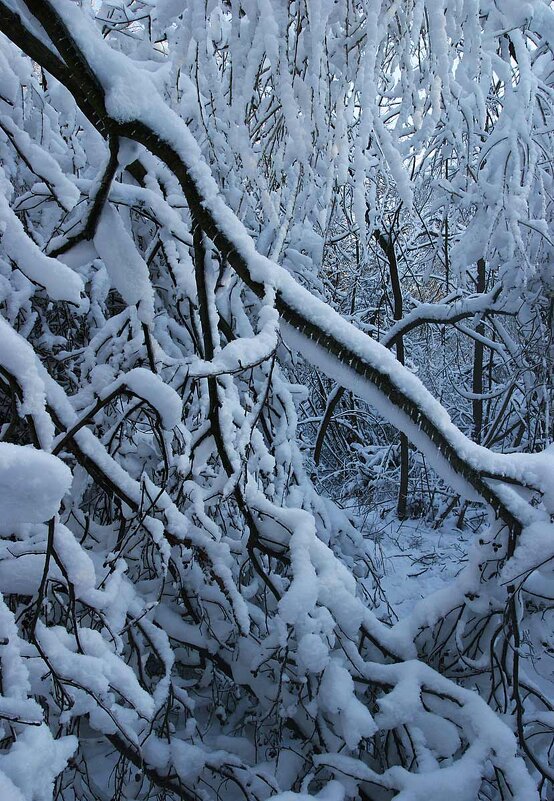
(387, 245)
(478, 352)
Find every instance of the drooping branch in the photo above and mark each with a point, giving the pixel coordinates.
(402, 399)
(87, 227)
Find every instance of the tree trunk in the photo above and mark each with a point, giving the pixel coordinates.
(477, 383)
(387, 245)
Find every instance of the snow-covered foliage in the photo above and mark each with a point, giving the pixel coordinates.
(192, 193)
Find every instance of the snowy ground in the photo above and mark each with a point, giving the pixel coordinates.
(414, 560)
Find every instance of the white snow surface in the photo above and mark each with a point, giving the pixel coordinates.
(42, 164)
(32, 485)
(151, 388)
(59, 281)
(126, 267)
(19, 360)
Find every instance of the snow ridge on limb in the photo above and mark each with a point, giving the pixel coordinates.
(32, 485)
(453, 312)
(60, 282)
(109, 78)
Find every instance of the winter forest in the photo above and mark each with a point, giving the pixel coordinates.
(276, 400)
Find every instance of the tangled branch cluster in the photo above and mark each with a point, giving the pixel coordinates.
(180, 616)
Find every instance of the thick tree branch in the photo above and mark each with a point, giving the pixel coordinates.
(293, 303)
